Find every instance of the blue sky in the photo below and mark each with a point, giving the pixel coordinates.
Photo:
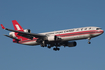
(51, 15)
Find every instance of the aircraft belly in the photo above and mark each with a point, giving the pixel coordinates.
(97, 34)
(78, 37)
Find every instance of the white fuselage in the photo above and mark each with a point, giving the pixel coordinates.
(69, 34)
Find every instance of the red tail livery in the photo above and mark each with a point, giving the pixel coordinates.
(17, 25)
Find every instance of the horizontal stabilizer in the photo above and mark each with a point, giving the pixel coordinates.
(12, 37)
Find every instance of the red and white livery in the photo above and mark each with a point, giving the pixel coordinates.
(54, 38)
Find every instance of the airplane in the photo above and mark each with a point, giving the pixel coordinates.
(54, 38)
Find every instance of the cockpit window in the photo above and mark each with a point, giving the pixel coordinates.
(98, 29)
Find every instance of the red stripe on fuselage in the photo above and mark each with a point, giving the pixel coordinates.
(78, 33)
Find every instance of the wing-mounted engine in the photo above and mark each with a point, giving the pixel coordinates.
(53, 38)
(12, 34)
(27, 30)
(70, 44)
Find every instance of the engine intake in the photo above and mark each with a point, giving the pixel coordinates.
(27, 30)
(53, 38)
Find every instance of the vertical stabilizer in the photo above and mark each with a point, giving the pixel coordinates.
(18, 28)
(17, 25)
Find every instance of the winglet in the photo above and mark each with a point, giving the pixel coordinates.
(2, 26)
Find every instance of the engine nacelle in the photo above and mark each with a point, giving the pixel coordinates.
(27, 30)
(12, 34)
(53, 38)
(70, 44)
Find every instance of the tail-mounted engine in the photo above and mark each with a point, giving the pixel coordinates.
(27, 30)
(53, 38)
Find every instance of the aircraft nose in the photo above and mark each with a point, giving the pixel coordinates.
(102, 31)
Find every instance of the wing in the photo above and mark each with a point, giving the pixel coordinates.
(25, 34)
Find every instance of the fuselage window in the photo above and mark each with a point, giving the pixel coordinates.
(81, 29)
(89, 28)
(77, 30)
(98, 29)
(85, 28)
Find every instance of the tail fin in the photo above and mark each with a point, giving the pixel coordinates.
(17, 26)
